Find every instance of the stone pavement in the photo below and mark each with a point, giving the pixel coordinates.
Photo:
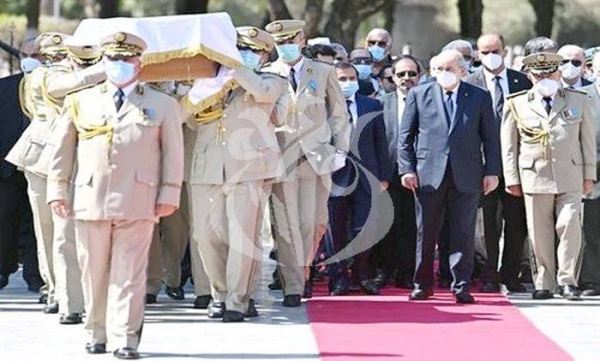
(175, 331)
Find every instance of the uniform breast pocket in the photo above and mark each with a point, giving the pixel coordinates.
(532, 122)
(570, 121)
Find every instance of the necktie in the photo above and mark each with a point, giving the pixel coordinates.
(348, 103)
(548, 104)
(292, 79)
(449, 107)
(119, 98)
(498, 97)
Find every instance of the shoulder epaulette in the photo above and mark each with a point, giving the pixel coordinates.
(512, 95)
(580, 91)
(268, 73)
(81, 88)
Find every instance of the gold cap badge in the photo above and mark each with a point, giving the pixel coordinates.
(56, 39)
(253, 33)
(120, 37)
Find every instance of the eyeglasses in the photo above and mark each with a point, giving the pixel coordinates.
(382, 44)
(575, 62)
(490, 52)
(410, 73)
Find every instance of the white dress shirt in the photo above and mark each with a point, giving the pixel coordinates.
(353, 110)
(297, 68)
(490, 83)
(401, 104)
(128, 89)
(578, 84)
(453, 97)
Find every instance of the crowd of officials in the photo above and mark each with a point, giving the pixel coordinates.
(364, 166)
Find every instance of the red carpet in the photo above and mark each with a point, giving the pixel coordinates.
(390, 327)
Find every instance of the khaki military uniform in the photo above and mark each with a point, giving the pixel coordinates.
(128, 161)
(233, 159)
(43, 97)
(314, 126)
(549, 156)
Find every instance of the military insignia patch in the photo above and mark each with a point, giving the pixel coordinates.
(570, 114)
(149, 113)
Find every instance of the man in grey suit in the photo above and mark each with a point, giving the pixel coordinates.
(396, 252)
(590, 268)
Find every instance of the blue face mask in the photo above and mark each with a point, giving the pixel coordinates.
(377, 53)
(364, 71)
(119, 72)
(349, 88)
(250, 59)
(289, 52)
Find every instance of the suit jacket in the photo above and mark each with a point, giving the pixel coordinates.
(12, 123)
(368, 147)
(427, 143)
(585, 82)
(594, 93)
(569, 157)
(391, 119)
(44, 92)
(517, 81)
(247, 148)
(314, 118)
(127, 161)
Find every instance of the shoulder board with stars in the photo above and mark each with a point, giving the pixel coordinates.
(580, 91)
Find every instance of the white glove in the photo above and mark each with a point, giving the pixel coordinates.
(339, 161)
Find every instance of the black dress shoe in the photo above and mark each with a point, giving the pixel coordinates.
(70, 319)
(216, 309)
(150, 299)
(95, 348)
(233, 316)
(369, 288)
(292, 301)
(590, 289)
(43, 299)
(542, 295)
(202, 302)
(251, 312)
(51, 308)
(379, 278)
(464, 297)
(338, 289)
(490, 287)
(175, 293)
(420, 295)
(3, 281)
(516, 287)
(570, 293)
(276, 285)
(126, 353)
(308, 289)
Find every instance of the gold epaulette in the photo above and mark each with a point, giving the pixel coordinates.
(529, 135)
(23, 101)
(512, 95)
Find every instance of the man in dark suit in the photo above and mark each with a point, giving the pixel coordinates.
(573, 67)
(13, 186)
(499, 206)
(396, 252)
(444, 129)
(357, 185)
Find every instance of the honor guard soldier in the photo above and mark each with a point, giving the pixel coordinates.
(549, 158)
(26, 155)
(80, 69)
(125, 138)
(235, 156)
(316, 130)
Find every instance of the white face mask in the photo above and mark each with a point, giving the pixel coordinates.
(547, 87)
(491, 61)
(570, 71)
(446, 79)
(28, 64)
(119, 72)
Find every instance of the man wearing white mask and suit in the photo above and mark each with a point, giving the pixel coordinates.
(499, 206)
(447, 169)
(572, 67)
